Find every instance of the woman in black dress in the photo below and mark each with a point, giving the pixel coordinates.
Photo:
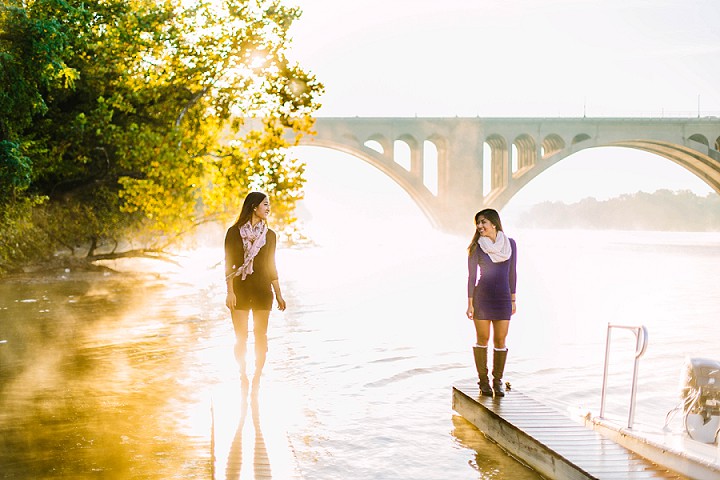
(491, 295)
(251, 277)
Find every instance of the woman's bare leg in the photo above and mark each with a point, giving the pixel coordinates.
(482, 332)
(240, 325)
(260, 328)
(500, 333)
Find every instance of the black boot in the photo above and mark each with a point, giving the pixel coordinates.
(499, 357)
(480, 354)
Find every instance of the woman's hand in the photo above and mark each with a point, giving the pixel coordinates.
(281, 302)
(230, 300)
(513, 307)
(278, 295)
(470, 310)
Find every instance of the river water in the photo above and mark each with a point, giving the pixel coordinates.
(131, 375)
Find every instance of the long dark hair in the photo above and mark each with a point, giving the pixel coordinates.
(252, 200)
(492, 216)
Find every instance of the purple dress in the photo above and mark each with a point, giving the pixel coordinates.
(491, 284)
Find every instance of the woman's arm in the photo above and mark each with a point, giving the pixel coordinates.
(470, 309)
(230, 298)
(513, 273)
(230, 265)
(278, 295)
(272, 270)
(472, 280)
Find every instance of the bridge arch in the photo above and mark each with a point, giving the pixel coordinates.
(378, 143)
(407, 146)
(700, 139)
(691, 160)
(499, 160)
(430, 165)
(526, 152)
(552, 144)
(402, 154)
(475, 162)
(407, 180)
(580, 137)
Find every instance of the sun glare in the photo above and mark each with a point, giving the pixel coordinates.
(258, 60)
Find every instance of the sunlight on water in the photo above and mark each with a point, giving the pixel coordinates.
(360, 365)
(133, 375)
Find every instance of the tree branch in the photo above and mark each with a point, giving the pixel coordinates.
(189, 105)
(137, 253)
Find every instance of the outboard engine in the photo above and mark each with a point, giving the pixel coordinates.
(701, 399)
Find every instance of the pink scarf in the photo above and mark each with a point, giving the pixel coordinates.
(253, 239)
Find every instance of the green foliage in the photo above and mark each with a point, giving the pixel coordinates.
(20, 241)
(15, 169)
(129, 116)
(662, 210)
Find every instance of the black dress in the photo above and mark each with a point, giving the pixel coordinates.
(255, 292)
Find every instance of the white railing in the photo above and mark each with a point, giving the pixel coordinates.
(641, 339)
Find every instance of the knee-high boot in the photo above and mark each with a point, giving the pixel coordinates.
(499, 357)
(480, 354)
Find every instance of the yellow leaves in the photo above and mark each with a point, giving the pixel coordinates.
(154, 201)
(69, 75)
(118, 102)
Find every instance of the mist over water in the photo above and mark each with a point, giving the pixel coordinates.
(121, 375)
(132, 374)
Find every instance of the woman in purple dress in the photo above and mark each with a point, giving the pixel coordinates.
(492, 258)
(251, 276)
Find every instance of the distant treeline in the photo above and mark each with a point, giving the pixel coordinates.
(662, 210)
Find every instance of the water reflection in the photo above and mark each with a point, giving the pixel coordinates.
(257, 447)
(262, 468)
(89, 380)
(129, 376)
(489, 459)
(235, 458)
(132, 376)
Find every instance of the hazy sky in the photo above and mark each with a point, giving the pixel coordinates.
(523, 58)
(513, 57)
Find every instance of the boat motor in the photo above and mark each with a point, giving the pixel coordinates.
(701, 399)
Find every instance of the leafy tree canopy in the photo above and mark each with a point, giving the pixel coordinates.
(124, 119)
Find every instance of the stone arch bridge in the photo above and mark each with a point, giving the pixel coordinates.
(504, 154)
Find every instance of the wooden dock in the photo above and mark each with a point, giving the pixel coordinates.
(550, 442)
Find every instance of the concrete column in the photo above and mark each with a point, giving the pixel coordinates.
(460, 195)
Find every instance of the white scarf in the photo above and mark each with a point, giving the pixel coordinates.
(500, 250)
(253, 239)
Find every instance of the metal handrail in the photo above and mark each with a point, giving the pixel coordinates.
(641, 341)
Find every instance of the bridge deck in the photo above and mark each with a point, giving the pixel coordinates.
(549, 441)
